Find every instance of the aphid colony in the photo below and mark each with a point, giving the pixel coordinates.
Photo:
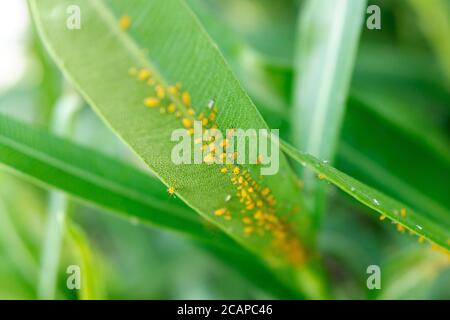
(258, 213)
(400, 228)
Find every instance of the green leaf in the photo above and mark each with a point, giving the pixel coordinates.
(91, 284)
(166, 39)
(110, 184)
(409, 167)
(102, 180)
(436, 231)
(327, 39)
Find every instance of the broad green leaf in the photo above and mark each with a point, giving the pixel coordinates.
(408, 173)
(327, 39)
(102, 181)
(110, 184)
(165, 38)
(437, 231)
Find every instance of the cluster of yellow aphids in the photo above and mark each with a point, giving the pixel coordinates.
(400, 228)
(258, 213)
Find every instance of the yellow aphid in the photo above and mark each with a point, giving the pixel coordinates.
(403, 212)
(321, 176)
(178, 114)
(248, 230)
(421, 239)
(160, 92)
(259, 203)
(191, 111)
(186, 98)
(204, 121)
(265, 191)
(124, 22)
(171, 190)
(247, 220)
(151, 102)
(172, 90)
(400, 228)
(250, 206)
(236, 170)
(224, 170)
(187, 123)
(220, 212)
(144, 74)
(171, 108)
(258, 215)
(212, 116)
(382, 217)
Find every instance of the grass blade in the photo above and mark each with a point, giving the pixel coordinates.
(107, 183)
(118, 98)
(436, 231)
(326, 50)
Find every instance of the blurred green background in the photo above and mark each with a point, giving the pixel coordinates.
(395, 137)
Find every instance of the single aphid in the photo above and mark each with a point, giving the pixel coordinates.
(220, 212)
(400, 228)
(160, 92)
(171, 108)
(124, 22)
(403, 212)
(144, 74)
(187, 123)
(171, 191)
(151, 102)
(248, 230)
(186, 98)
(382, 217)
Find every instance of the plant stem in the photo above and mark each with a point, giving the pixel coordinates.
(65, 110)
